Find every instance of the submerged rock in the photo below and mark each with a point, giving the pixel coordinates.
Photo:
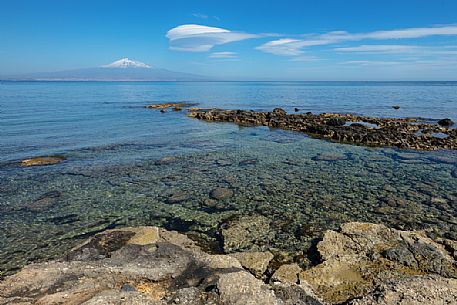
(329, 157)
(396, 107)
(246, 233)
(221, 193)
(178, 197)
(40, 161)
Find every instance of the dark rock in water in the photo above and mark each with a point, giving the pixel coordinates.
(336, 122)
(309, 113)
(329, 157)
(176, 108)
(396, 107)
(446, 122)
(296, 109)
(221, 193)
(178, 197)
(248, 162)
(163, 110)
(45, 201)
(39, 161)
(279, 111)
(396, 132)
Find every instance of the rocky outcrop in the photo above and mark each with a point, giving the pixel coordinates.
(359, 265)
(346, 128)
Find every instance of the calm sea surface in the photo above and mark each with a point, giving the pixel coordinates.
(113, 175)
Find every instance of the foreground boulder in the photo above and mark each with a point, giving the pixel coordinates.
(143, 265)
(361, 264)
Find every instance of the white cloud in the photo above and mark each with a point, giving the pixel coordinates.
(293, 47)
(223, 55)
(200, 38)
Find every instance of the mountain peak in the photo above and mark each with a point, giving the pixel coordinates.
(127, 63)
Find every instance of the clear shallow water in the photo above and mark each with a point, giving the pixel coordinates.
(112, 177)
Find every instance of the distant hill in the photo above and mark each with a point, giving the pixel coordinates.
(120, 70)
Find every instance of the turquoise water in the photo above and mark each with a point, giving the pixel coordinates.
(113, 177)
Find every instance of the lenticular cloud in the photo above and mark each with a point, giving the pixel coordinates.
(200, 38)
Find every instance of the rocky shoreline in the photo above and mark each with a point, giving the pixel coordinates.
(406, 133)
(362, 263)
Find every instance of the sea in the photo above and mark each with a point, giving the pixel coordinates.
(127, 165)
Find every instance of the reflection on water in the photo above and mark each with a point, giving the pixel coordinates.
(303, 185)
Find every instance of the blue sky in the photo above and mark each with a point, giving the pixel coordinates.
(240, 40)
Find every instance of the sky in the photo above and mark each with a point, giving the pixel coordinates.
(236, 40)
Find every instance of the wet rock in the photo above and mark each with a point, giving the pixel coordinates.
(178, 197)
(336, 122)
(221, 193)
(396, 107)
(329, 157)
(246, 233)
(279, 111)
(287, 274)
(255, 262)
(446, 122)
(176, 108)
(296, 109)
(163, 110)
(40, 161)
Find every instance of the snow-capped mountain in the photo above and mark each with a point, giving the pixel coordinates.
(127, 63)
(124, 69)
